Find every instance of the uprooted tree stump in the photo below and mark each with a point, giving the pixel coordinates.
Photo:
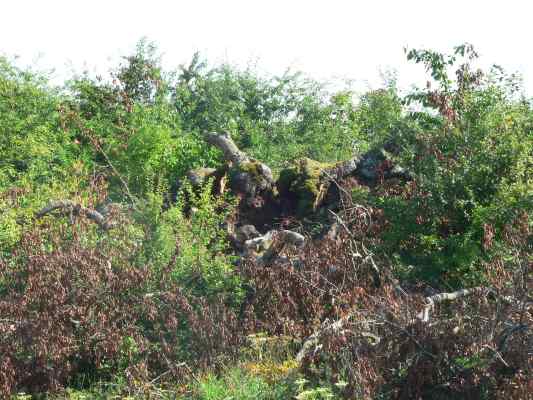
(300, 190)
(307, 182)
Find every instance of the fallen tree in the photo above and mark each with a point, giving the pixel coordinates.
(307, 182)
(248, 177)
(304, 184)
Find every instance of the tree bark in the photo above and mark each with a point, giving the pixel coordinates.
(229, 148)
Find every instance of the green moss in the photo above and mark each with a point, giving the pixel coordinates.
(304, 181)
(250, 177)
(253, 168)
(197, 177)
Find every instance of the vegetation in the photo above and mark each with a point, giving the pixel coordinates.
(375, 246)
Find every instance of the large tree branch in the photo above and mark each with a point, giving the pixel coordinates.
(229, 148)
(424, 316)
(68, 206)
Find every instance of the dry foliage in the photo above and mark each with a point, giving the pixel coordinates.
(365, 328)
(70, 309)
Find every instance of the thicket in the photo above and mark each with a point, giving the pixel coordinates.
(124, 262)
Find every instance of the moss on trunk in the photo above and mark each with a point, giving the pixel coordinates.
(306, 183)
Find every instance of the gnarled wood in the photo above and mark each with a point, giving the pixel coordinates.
(424, 316)
(304, 184)
(246, 176)
(229, 148)
(271, 244)
(68, 206)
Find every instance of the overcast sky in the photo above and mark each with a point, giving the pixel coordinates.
(325, 39)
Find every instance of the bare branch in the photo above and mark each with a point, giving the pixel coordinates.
(313, 340)
(439, 298)
(334, 328)
(229, 148)
(68, 206)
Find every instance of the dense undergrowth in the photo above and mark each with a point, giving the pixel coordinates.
(159, 302)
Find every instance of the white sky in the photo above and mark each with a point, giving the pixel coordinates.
(325, 39)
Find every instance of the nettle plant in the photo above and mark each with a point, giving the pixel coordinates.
(469, 150)
(190, 241)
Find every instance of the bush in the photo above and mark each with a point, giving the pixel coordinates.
(75, 312)
(470, 158)
(31, 144)
(235, 385)
(189, 241)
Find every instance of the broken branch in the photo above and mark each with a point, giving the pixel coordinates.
(271, 244)
(439, 298)
(229, 148)
(67, 206)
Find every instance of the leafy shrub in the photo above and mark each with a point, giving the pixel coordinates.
(470, 163)
(274, 119)
(30, 142)
(189, 241)
(239, 385)
(380, 115)
(72, 310)
(235, 385)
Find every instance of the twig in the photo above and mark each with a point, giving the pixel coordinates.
(160, 376)
(118, 175)
(86, 131)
